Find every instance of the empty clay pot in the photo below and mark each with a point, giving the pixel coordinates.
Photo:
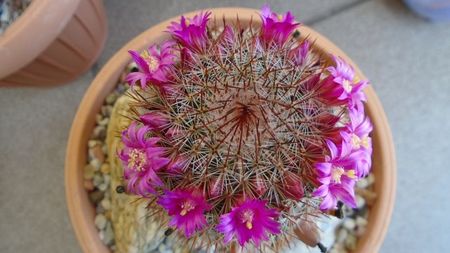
(52, 42)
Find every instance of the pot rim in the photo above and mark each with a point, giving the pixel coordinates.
(81, 210)
(37, 27)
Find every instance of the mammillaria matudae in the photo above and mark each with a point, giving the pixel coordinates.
(242, 131)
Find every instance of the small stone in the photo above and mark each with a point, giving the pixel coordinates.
(132, 67)
(93, 143)
(105, 149)
(360, 202)
(106, 203)
(350, 242)
(97, 180)
(120, 189)
(99, 209)
(101, 234)
(363, 183)
(162, 247)
(103, 187)
(88, 172)
(100, 221)
(108, 214)
(96, 196)
(368, 195)
(349, 224)
(111, 98)
(99, 133)
(341, 235)
(339, 249)
(121, 88)
(105, 168)
(97, 153)
(88, 185)
(360, 221)
(360, 230)
(95, 163)
(98, 117)
(107, 179)
(109, 234)
(370, 179)
(104, 122)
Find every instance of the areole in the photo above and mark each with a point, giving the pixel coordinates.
(81, 210)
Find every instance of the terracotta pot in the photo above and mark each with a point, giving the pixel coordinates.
(53, 42)
(82, 211)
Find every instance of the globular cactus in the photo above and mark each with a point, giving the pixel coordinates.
(244, 133)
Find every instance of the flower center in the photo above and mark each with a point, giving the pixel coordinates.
(186, 207)
(153, 63)
(357, 142)
(338, 172)
(347, 86)
(137, 159)
(247, 218)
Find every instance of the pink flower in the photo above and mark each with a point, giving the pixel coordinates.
(186, 208)
(337, 177)
(300, 53)
(347, 86)
(191, 33)
(142, 158)
(153, 65)
(357, 134)
(155, 120)
(276, 28)
(251, 220)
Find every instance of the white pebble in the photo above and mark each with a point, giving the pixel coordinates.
(349, 224)
(100, 221)
(341, 235)
(96, 164)
(360, 202)
(350, 242)
(106, 203)
(360, 221)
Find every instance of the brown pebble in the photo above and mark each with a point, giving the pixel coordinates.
(368, 195)
(108, 214)
(105, 169)
(88, 185)
(97, 152)
(96, 196)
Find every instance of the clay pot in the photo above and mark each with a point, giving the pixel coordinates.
(81, 210)
(52, 42)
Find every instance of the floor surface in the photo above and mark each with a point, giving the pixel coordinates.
(406, 58)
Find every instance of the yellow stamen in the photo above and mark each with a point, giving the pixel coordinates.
(152, 62)
(336, 174)
(247, 218)
(137, 159)
(356, 141)
(280, 17)
(249, 225)
(365, 142)
(347, 86)
(187, 207)
(351, 174)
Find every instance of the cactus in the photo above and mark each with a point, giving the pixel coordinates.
(243, 134)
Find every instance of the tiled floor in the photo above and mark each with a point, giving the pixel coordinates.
(407, 59)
